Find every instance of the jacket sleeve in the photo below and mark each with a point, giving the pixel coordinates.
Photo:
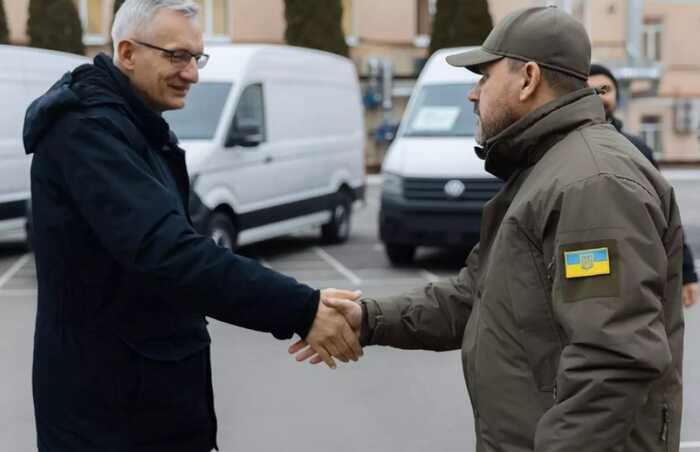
(616, 343)
(137, 220)
(431, 318)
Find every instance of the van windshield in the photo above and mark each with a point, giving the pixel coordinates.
(442, 111)
(203, 107)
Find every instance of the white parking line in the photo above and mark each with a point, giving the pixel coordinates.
(690, 445)
(340, 268)
(431, 277)
(14, 268)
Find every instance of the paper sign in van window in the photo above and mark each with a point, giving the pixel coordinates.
(437, 119)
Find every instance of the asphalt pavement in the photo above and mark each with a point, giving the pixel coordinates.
(407, 401)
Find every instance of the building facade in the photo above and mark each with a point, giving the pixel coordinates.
(665, 112)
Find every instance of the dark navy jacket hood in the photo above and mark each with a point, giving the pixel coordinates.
(91, 85)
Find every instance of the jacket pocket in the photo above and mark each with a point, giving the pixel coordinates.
(655, 427)
(171, 401)
(530, 289)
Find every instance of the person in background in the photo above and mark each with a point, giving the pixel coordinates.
(602, 77)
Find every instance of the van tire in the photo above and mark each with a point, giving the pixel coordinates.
(400, 254)
(338, 229)
(222, 230)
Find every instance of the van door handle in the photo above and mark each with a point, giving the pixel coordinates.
(268, 159)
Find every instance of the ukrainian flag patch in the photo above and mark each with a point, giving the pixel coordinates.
(582, 263)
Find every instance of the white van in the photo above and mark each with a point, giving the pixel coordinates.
(274, 141)
(27, 74)
(434, 185)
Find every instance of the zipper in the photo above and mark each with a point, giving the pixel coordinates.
(554, 391)
(663, 437)
(475, 321)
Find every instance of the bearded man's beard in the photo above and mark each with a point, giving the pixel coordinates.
(484, 130)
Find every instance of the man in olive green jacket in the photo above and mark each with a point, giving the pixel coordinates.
(568, 312)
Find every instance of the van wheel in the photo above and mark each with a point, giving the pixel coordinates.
(222, 230)
(338, 229)
(400, 254)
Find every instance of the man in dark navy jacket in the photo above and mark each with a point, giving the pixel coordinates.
(121, 353)
(601, 76)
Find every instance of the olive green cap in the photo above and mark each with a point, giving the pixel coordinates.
(546, 35)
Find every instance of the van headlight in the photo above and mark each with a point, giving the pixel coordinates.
(392, 184)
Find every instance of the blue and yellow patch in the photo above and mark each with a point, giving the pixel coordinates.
(582, 263)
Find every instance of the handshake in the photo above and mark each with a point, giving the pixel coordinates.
(335, 332)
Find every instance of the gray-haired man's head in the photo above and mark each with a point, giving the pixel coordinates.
(154, 42)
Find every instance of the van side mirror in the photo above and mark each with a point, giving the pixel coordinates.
(247, 136)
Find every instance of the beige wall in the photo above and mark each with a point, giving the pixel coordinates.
(501, 8)
(257, 21)
(606, 27)
(606, 23)
(386, 21)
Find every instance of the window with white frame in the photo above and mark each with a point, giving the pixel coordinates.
(652, 39)
(651, 131)
(93, 21)
(214, 18)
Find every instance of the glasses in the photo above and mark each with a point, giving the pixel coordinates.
(180, 58)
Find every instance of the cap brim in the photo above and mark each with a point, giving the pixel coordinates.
(472, 59)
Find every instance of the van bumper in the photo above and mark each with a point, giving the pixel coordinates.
(419, 223)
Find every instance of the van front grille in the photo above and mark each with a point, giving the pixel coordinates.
(427, 189)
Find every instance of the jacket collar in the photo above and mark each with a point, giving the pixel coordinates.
(523, 143)
(151, 124)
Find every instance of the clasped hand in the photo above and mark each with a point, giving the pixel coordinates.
(335, 331)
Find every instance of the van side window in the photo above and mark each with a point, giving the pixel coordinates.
(249, 120)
